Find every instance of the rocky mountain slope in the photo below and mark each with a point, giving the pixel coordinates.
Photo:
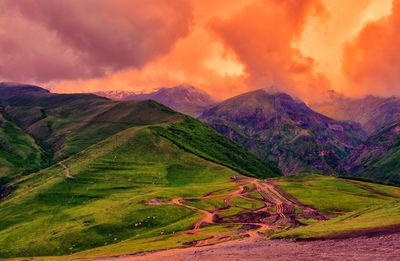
(378, 157)
(285, 131)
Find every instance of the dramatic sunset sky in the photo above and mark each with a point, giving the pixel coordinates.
(224, 47)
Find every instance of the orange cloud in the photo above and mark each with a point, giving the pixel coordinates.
(371, 61)
(263, 35)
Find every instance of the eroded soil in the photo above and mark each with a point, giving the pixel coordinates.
(279, 211)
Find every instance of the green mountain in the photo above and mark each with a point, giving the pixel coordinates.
(19, 152)
(284, 130)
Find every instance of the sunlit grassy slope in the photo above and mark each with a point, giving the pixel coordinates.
(50, 214)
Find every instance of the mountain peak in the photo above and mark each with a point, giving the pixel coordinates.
(284, 130)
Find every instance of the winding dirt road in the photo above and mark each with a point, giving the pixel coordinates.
(279, 211)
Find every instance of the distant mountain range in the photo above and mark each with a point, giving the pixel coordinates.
(283, 130)
(185, 99)
(372, 112)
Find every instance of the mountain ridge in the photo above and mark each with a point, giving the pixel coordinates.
(183, 98)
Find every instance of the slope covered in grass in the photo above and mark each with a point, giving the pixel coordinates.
(19, 152)
(49, 214)
(106, 201)
(69, 123)
(336, 195)
(195, 137)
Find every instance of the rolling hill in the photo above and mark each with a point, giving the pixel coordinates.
(185, 99)
(283, 130)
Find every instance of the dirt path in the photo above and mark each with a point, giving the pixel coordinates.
(66, 169)
(208, 217)
(377, 248)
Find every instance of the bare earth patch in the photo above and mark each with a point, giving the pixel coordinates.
(379, 248)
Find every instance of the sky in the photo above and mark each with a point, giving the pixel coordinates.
(224, 47)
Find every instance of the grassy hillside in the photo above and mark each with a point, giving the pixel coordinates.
(19, 152)
(112, 182)
(386, 168)
(69, 123)
(336, 195)
(197, 138)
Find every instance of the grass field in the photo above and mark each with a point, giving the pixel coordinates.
(369, 218)
(355, 205)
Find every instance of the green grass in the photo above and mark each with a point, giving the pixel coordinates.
(70, 123)
(209, 204)
(19, 152)
(232, 211)
(243, 203)
(195, 137)
(369, 218)
(48, 214)
(255, 194)
(332, 195)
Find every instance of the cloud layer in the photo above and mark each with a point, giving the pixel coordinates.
(371, 61)
(73, 39)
